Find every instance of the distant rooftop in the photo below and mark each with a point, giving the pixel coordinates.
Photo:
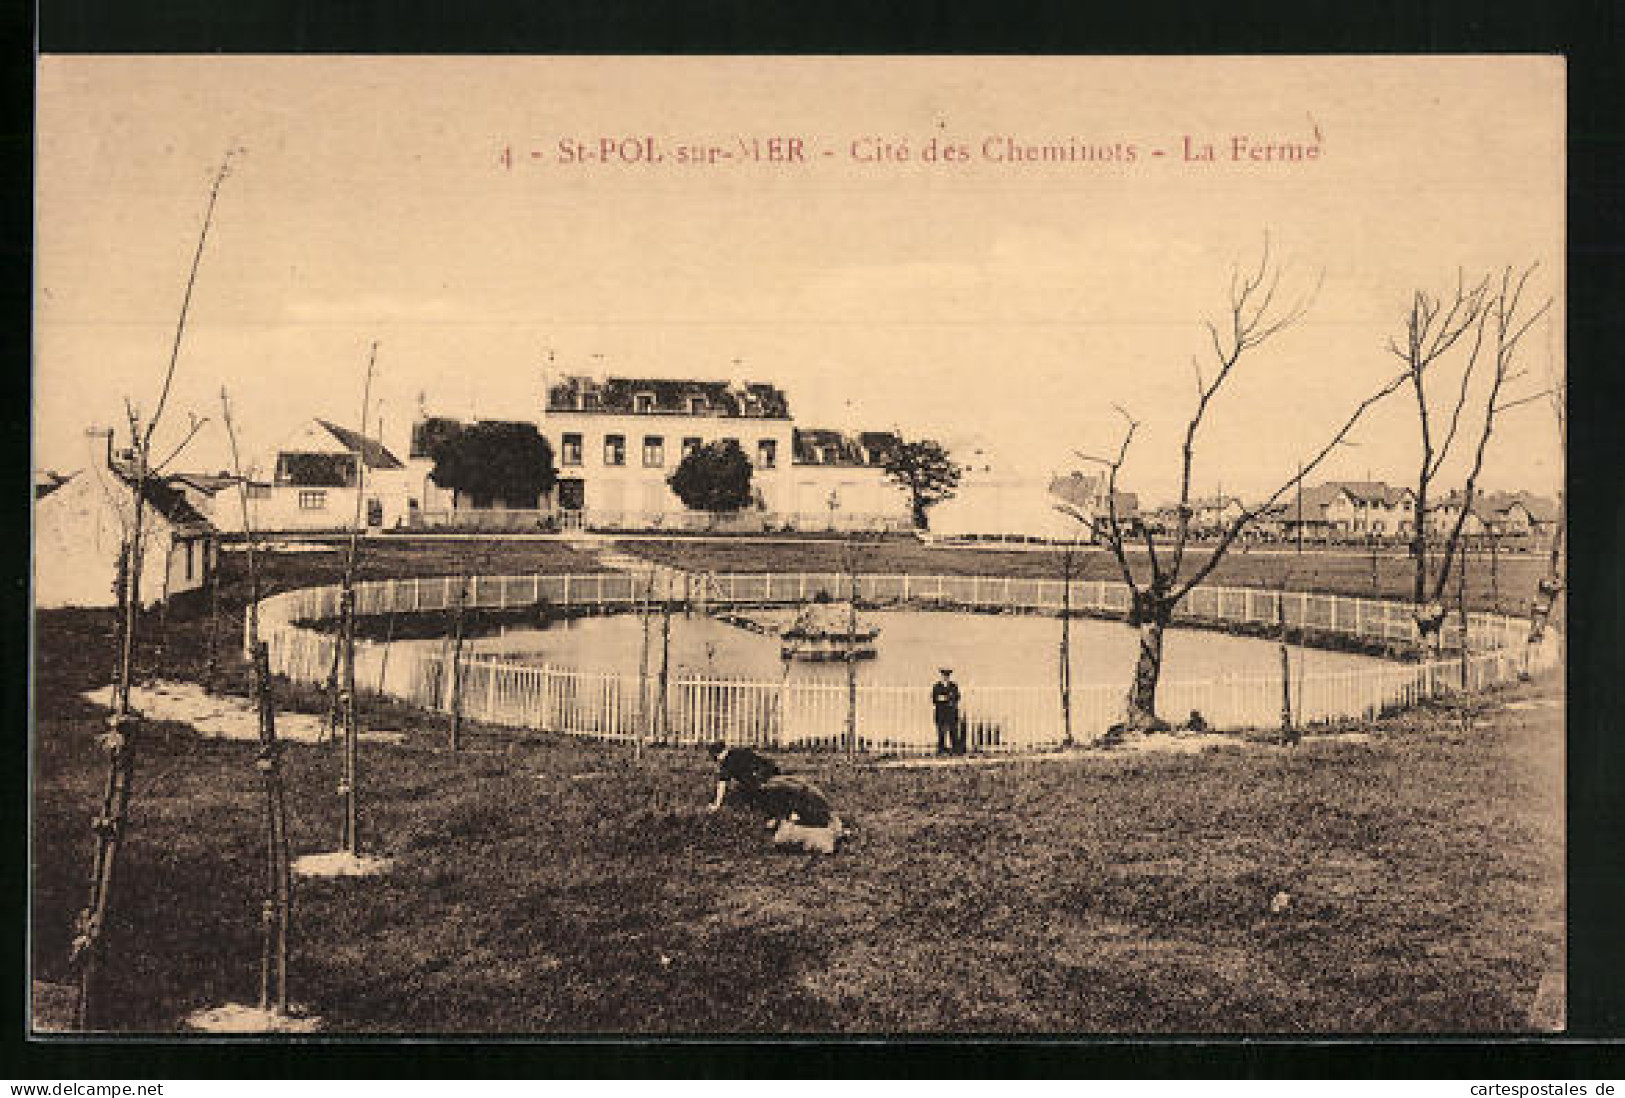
(822, 446)
(668, 396)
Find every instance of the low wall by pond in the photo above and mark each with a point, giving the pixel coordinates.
(892, 719)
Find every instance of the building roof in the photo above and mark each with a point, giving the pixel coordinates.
(1215, 503)
(824, 446)
(373, 453)
(671, 396)
(47, 481)
(1078, 489)
(207, 483)
(1372, 491)
(1490, 505)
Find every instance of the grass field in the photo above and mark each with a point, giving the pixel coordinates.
(1505, 585)
(549, 885)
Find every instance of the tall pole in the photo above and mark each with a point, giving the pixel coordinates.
(1300, 508)
(1288, 734)
(347, 692)
(851, 650)
(1066, 647)
(459, 624)
(643, 668)
(663, 715)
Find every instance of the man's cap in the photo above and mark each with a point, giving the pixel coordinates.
(946, 670)
(717, 747)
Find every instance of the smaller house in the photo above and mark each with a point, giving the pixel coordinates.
(1084, 496)
(1517, 515)
(79, 533)
(1368, 508)
(1214, 514)
(313, 483)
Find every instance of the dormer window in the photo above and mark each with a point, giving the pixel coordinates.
(696, 406)
(643, 402)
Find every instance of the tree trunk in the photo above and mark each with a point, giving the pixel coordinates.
(1142, 695)
(922, 521)
(1430, 628)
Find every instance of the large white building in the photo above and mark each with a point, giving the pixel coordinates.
(617, 440)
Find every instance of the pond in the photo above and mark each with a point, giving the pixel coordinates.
(1004, 650)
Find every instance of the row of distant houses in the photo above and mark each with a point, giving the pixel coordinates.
(1370, 509)
(615, 443)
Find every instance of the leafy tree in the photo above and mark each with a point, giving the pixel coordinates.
(488, 461)
(924, 470)
(714, 477)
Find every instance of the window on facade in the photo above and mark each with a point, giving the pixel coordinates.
(189, 547)
(614, 449)
(654, 451)
(312, 501)
(767, 453)
(570, 447)
(690, 445)
(696, 406)
(643, 402)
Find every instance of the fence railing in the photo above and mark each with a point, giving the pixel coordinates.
(889, 718)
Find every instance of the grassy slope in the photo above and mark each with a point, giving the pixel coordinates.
(540, 884)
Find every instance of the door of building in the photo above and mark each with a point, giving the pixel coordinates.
(572, 495)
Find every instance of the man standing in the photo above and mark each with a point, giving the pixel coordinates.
(945, 708)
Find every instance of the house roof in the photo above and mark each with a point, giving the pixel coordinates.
(207, 483)
(1372, 491)
(373, 453)
(1496, 504)
(1078, 489)
(813, 445)
(1215, 503)
(672, 396)
(46, 481)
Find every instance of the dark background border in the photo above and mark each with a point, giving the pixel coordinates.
(1587, 32)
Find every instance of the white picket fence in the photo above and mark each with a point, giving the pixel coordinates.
(891, 719)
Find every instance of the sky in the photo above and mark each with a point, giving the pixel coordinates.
(435, 206)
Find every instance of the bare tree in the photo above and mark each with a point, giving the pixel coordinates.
(1484, 324)
(139, 471)
(1254, 314)
(277, 902)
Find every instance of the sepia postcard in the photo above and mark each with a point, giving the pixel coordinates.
(671, 546)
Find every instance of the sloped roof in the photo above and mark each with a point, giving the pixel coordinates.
(208, 483)
(1078, 489)
(672, 396)
(1372, 491)
(810, 445)
(1540, 508)
(46, 481)
(373, 453)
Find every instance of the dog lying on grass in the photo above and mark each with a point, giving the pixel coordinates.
(792, 834)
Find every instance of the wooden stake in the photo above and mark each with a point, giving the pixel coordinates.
(663, 715)
(459, 619)
(1066, 648)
